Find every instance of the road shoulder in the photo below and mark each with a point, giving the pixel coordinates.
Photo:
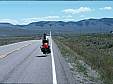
(64, 75)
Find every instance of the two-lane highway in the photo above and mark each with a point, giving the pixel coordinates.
(23, 62)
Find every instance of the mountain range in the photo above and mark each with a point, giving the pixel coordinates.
(83, 26)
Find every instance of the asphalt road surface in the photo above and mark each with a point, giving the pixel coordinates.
(23, 62)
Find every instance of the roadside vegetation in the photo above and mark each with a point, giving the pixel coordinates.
(14, 39)
(91, 55)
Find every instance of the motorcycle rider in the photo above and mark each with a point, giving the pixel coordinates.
(45, 43)
(45, 40)
(44, 37)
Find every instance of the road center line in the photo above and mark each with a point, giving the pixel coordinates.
(53, 63)
(6, 54)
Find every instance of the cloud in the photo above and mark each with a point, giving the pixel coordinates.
(68, 19)
(25, 21)
(44, 18)
(28, 20)
(51, 17)
(106, 8)
(67, 16)
(76, 11)
(12, 21)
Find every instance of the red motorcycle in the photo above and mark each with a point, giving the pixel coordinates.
(45, 48)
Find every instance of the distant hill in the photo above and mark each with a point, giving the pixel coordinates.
(88, 25)
(83, 26)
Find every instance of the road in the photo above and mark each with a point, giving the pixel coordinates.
(23, 62)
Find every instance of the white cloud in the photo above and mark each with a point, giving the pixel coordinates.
(106, 8)
(25, 21)
(67, 16)
(28, 20)
(68, 19)
(89, 18)
(44, 18)
(12, 21)
(76, 11)
(51, 17)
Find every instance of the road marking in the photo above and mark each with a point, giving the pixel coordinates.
(53, 64)
(6, 54)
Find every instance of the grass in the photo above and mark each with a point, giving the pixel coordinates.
(14, 39)
(95, 50)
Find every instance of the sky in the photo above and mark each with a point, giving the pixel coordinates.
(25, 12)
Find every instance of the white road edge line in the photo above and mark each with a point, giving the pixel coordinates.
(53, 63)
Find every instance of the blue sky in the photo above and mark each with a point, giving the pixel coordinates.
(24, 12)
